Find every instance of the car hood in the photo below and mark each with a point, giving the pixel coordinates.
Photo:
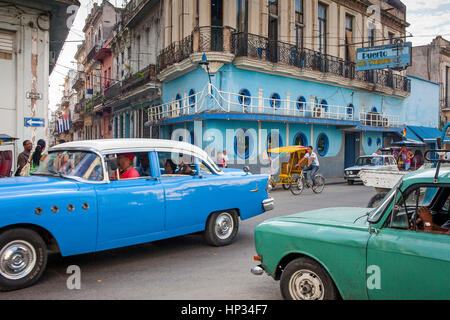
(330, 216)
(21, 185)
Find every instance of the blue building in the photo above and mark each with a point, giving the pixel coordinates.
(283, 73)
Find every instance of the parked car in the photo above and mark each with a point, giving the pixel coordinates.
(73, 204)
(373, 162)
(361, 253)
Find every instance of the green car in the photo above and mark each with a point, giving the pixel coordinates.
(360, 253)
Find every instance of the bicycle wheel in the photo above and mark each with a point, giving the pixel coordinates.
(273, 183)
(320, 184)
(297, 186)
(287, 184)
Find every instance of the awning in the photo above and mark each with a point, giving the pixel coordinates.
(426, 134)
(4, 138)
(409, 139)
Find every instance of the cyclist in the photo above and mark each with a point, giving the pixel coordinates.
(312, 165)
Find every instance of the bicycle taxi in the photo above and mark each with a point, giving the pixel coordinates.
(291, 175)
(289, 171)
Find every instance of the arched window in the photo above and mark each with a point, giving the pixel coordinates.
(244, 97)
(369, 141)
(350, 110)
(379, 142)
(300, 139)
(322, 144)
(274, 140)
(243, 144)
(301, 103)
(192, 98)
(275, 100)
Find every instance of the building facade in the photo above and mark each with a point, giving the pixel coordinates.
(283, 73)
(432, 62)
(32, 34)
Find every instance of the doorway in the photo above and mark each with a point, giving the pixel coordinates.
(352, 149)
(217, 25)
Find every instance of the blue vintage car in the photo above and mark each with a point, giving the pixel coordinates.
(90, 196)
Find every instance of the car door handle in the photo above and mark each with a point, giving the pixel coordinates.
(255, 190)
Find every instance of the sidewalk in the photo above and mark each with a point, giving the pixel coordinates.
(338, 180)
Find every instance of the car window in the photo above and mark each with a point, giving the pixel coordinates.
(80, 164)
(122, 166)
(407, 204)
(177, 164)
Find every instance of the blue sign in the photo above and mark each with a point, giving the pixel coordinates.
(393, 56)
(34, 122)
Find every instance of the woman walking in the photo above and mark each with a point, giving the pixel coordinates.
(38, 155)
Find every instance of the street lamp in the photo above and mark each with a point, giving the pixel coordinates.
(205, 65)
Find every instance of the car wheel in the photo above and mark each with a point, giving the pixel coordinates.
(23, 258)
(305, 279)
(221, 228)
(375, 200)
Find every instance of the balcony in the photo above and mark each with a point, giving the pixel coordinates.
(309, 61)
(112, 91)
(260, 53)
(211, 100)
(78, 81)
(140, 78)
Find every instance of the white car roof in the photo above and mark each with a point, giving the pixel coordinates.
(108, 145)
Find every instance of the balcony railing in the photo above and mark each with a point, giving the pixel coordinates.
(213, 100)
(224, 39)
(113, 90)
(140, 78)
(261, 48)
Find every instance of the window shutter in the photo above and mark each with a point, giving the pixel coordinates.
(6, 44)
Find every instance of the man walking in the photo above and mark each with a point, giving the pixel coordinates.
(23, 157)
(312, 165)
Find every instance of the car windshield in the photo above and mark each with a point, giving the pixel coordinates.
(369, 161)
(376, 213)
(72, 164)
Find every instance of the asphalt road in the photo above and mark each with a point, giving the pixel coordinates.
(183, 267)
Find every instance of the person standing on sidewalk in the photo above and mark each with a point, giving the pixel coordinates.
(24, 156)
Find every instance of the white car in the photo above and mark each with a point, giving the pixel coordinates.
(374, 162)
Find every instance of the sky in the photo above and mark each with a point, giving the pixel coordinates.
(427, 18)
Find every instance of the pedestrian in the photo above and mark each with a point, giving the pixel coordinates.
(38, 155)
(404, 159)
(24, 157)
(225, 158)
(418, 160)
(220, 160)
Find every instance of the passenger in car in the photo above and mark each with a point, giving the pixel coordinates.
(126, 170)
(425, 220)
(144, 165)
(185, 169)
(170, 166)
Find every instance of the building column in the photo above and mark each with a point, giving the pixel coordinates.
(204, 12)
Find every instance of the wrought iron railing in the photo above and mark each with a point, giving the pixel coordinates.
(261, 48)
(176, 52)
(140, 78)
(212, 38)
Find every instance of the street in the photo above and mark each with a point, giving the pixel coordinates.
(183, 267)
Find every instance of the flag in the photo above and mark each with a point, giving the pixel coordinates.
(63, 123)
(404, 133)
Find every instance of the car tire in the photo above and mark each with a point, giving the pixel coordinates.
(375, 200)
(221, 228)
(29, 253)
(305, 279)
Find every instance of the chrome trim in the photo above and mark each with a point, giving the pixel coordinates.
(257, 270)
(268, 204)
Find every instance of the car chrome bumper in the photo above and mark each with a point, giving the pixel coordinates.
(257, 270)
(268, 204)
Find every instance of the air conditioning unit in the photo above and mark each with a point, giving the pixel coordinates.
(318, 112)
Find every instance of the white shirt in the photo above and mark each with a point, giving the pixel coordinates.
(312, 156)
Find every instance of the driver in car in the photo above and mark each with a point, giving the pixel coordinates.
(425, 222)
(126, 170)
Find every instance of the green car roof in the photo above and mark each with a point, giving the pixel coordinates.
(427, 176)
